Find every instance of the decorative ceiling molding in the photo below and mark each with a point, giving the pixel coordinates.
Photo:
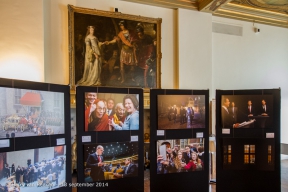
(173, 4)
(279, 6)
(211, 6)
(247, 13)
(270, 12)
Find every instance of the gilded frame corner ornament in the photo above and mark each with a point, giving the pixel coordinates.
(106, 23)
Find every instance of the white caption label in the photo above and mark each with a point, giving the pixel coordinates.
(86, 139)
(60, 141)
(269, 135)
(160, 132)
(225, 131)
(134, 138)
(199, 135)
(4, 143)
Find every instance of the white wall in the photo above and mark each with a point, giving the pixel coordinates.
(195, 49)
(46, 153)
(20, 157)
(252, 61)
(21, 44)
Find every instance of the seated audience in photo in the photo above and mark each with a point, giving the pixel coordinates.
(117, 167)
(130, 170)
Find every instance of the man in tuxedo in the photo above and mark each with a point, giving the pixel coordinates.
(95, 162)
(130, 170)
(110, 107)
(182, 115)
(174, 113)
(250, 109)
(264, 109)
(227, 119)
(90, 98)
(187, 154)
(191, 114)
(233, 111)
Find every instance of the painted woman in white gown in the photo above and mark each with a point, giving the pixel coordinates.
(92, 66)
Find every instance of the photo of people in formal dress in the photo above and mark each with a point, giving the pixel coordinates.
(25, 113)
(33, 170)
(247, 111)
(111, 112)
(108, 161)
(181, 111)
(180, 155)
(113, 51)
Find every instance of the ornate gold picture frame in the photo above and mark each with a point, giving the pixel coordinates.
(113, 49)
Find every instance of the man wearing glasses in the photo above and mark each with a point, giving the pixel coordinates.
(100, 121)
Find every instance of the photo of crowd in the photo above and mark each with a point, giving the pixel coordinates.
(180, 155)
(111, 112)
(110, 161)
(25, 113)
(181, 111)
(34, 170)
(247, 111)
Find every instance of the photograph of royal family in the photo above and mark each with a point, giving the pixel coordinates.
(181, 111)
(180, 155)
(111, 112)
(110, 161)
(247, 111)
(25, 113)
(33, 170)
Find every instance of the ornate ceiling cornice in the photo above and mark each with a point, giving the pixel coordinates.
(268, 12)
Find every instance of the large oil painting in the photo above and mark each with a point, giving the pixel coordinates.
(113, 49)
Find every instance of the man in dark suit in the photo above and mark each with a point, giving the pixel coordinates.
(130, 170)
(191, 114)
(95, 162)
(250, 109)
(264, 109)
(227, 119)
(110, 107)
(182, 115)
(18, 173)
(187, 155)
(233, 111)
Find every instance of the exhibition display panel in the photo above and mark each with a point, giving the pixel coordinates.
(248, 140)
(35, 136)
(179, 140)
(110, 154)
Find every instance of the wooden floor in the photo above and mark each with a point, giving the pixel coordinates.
(212, 187)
